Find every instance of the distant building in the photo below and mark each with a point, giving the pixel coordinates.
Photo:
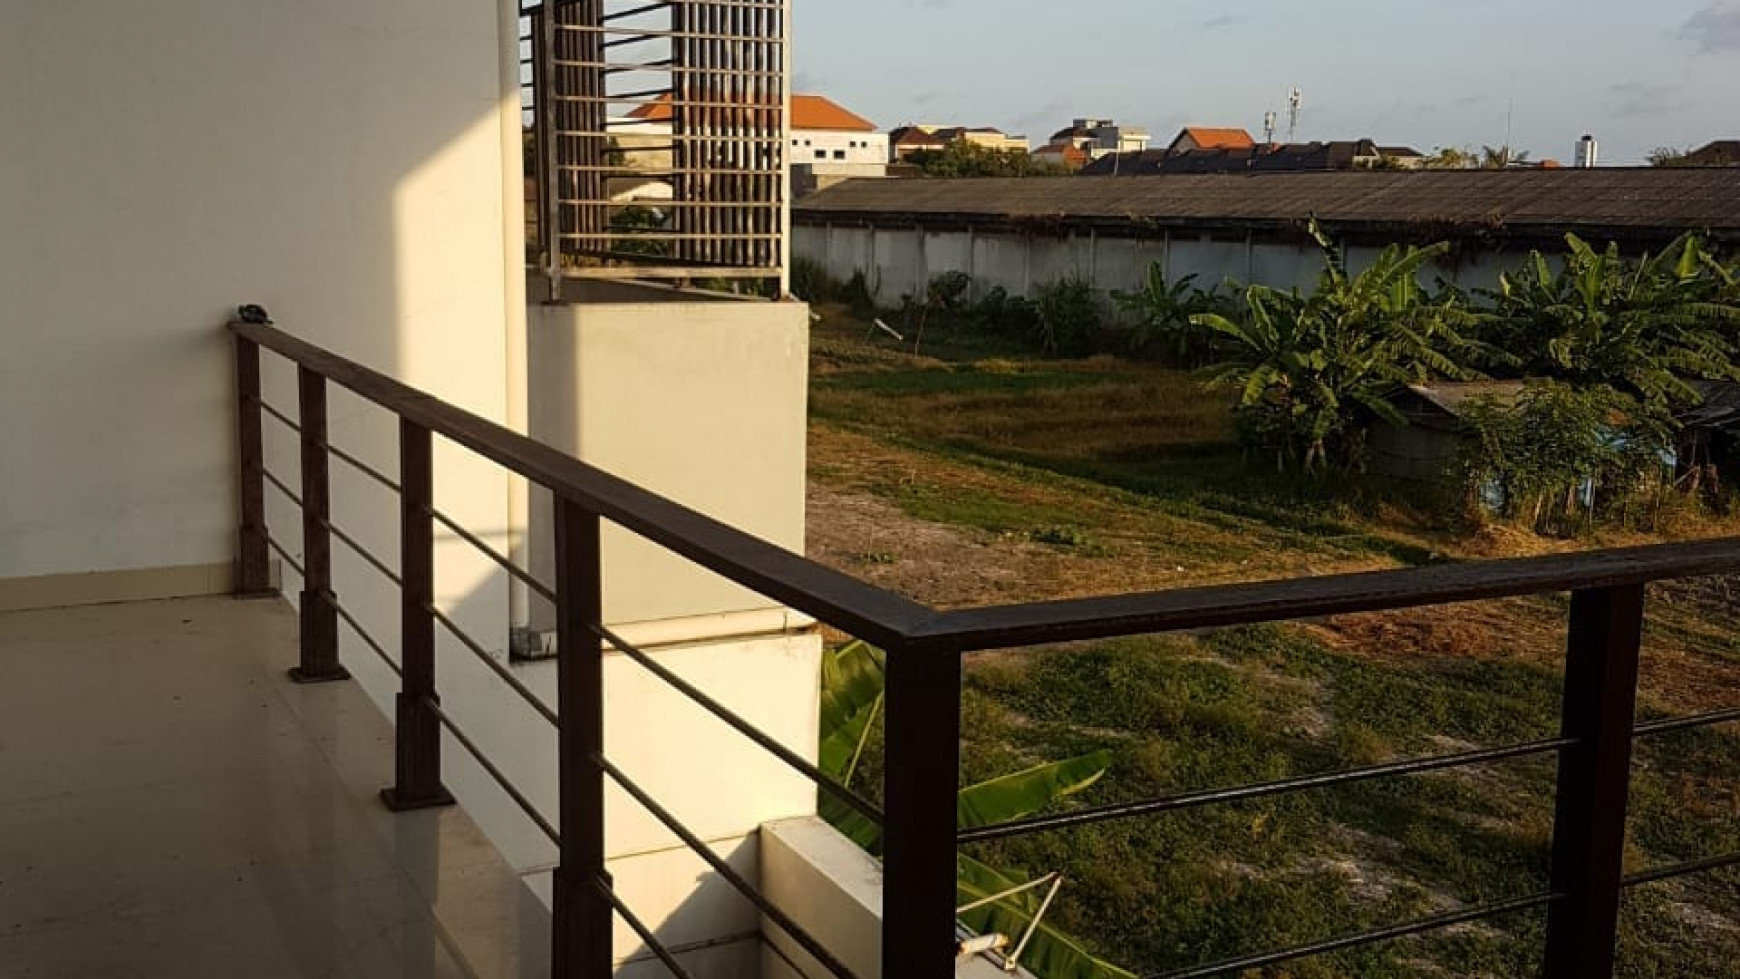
(1362, 154)
(829, 143)
(910, 139)
(1064, 154)
(822, 131)
(1207, 138)
(1402, 157)
(904, 141)
(1100, 137)
(1721, 153)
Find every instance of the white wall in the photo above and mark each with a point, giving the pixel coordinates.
(338, 161)
(902, 261)
(838, 146)
(342, 162)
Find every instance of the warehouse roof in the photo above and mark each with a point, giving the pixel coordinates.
(1648, 202)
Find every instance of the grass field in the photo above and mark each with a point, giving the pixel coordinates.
(976, 473)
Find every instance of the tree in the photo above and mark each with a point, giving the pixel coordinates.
(1451, 158)
(1500, 157)
(1669, 156)
(966, 159)
(1314, 371)
(854, 678)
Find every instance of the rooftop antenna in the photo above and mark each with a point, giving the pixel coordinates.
(1295, 105)
(1269, 127)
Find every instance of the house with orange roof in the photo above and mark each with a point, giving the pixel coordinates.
(1210, 138)
(822, 131)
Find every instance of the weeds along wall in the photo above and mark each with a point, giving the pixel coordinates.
(898, 262)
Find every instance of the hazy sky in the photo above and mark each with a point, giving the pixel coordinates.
(1636, 73)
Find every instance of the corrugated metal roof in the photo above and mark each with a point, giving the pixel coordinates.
(1485, 200)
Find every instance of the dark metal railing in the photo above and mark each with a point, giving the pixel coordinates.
(925, 649)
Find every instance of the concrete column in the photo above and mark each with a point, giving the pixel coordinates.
(700, 398)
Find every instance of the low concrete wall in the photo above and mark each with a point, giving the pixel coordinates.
(833, 891)
(902, 261)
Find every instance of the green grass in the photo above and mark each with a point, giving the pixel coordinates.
(1107, 461)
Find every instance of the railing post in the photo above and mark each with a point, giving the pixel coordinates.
(319, 605)
(418, 759)
(1594, 781)
(582, 918)
(918, 859)
(253, 558)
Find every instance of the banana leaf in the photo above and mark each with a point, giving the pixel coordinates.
(1025, 793)
(1050, 953)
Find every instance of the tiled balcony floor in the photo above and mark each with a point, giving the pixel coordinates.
(171, 805)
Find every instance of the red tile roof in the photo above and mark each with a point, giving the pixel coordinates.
(807, 112)
(1071, 154)
(1219, 139)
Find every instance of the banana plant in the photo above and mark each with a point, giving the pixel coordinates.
(1161, 312)
(1313, 370)
(853, 682)
(1642, 326)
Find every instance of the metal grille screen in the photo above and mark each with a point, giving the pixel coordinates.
(661, 136)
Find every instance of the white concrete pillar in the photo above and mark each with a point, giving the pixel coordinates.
(702, 399)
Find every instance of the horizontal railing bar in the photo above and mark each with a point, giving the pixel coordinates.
(294, 564)
(647, 236)
(665, 67)
(277, 415)
(495, 773)
(1191, 800)
(362, 552)
(362, 467)
(1680, 870)
(726, 871)
(1687, 723)
(646, 935)
(506, 674)
(282, 487)
(538, 587)
(773, 947)
(664, 271)
(374, 646)
(1218, 606)
(877, 616)
(1435, 923)
(823, 781)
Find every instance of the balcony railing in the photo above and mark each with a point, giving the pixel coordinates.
(925, 649)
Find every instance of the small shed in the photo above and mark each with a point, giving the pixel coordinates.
(1710, 431)
(1426, 447)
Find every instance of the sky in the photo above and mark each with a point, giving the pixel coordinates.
(1538, 74)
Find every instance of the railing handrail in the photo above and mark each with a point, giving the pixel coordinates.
(902, 624)
(873, 613)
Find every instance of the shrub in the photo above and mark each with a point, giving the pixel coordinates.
(998, 312)
(811, 282)
(1068, 317)
(859, 294)
(1560, 453)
